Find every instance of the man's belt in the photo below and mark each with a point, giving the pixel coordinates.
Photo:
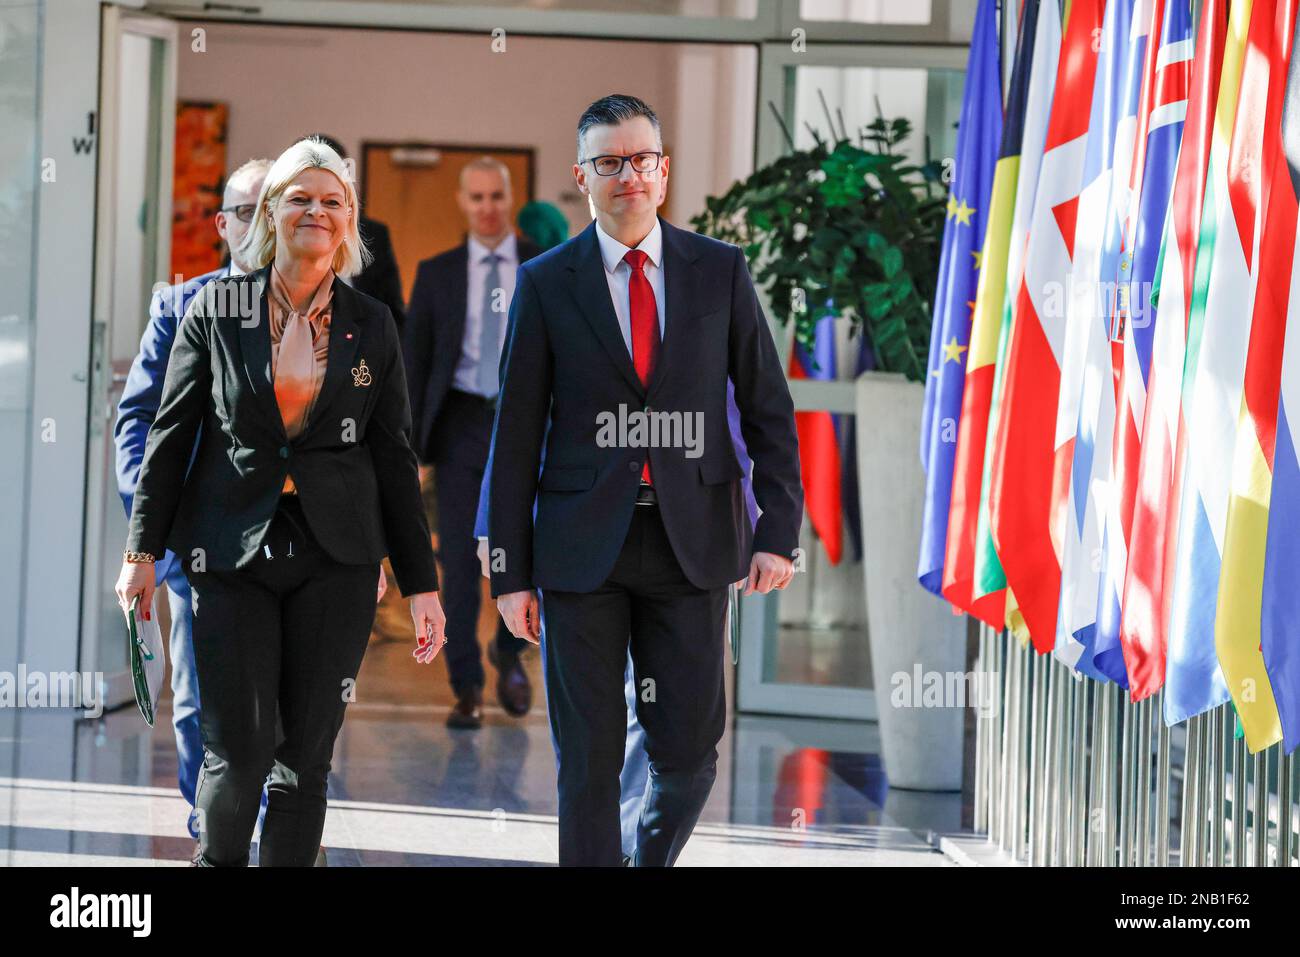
(474, 399)
(645, 495)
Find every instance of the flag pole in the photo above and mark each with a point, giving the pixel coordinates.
(1162, 782)
(1239, 803)
(1283, 810)
(1047, 775)
(1010, 706)
(1097, 790)
(1126, 795)
(1022, 752)
(1003, 790)
(1191, 789)
(1065, 780)
(1042, 740)
(1079, 803)
(980, 822)
(1144, 784)
(1261, 808)
(1059, 754)
(1111, 815)
(1035, 749)
(1204, 787)
(1219, 764)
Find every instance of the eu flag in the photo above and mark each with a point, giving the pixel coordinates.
(979, 134)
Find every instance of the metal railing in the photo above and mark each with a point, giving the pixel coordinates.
(1070, 772)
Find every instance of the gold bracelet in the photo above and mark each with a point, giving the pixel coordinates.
(138, 558)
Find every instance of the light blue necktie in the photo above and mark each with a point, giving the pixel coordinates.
(489, 337)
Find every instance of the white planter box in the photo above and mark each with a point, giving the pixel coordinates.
(914, 635)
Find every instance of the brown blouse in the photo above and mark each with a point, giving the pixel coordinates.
(297, 398)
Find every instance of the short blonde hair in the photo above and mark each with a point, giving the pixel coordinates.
(254, 169)
(488, 163)
(258, 247)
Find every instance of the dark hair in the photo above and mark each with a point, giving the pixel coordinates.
(614, 109)
(330, 141)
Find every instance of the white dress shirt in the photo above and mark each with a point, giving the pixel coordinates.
(466, 375)
(618, 275)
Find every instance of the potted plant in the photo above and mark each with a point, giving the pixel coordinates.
(856, 226)
(851, 223)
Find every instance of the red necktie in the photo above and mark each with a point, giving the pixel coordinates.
(645, 327)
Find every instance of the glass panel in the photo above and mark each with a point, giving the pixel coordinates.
(817, 637)
(867, 11)
(723, 9)
(136, 269)
(855, 96)
(20, 41)
(821, 638)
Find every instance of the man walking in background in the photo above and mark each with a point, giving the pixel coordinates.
(455, 329)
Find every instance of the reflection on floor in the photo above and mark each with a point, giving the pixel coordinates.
(407, 791)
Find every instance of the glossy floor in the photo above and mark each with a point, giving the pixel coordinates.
(405, 790)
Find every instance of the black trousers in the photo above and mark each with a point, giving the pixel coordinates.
(676, 635)
(459, 457)
(285, 634)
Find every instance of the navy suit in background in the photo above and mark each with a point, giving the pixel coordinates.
(381, 279)
(451, 430)
(135, 414)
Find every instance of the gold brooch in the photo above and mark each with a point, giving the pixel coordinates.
(360, 374)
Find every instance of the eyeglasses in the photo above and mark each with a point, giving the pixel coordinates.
(243, 212)
(646, 162)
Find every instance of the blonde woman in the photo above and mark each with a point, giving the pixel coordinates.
(302, 481)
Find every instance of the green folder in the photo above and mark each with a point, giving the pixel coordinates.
(733, 623)
(147, 665)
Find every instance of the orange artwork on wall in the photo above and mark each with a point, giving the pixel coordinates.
(200, 169)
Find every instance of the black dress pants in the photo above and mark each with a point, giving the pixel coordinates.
(286, 633)
(460, 452)
(676, 633)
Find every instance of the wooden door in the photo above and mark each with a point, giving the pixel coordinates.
(411, 187)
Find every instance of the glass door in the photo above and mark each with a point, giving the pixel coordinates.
(805, 651)
(132, 254)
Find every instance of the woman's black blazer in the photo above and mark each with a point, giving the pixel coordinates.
(353, 467)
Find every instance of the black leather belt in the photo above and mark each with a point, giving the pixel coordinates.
(645, 495)
(475, 400)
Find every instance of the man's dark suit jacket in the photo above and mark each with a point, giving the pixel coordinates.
(434, 332)
(566, 357)
(143, 391)
(353, 467)
(381, 279)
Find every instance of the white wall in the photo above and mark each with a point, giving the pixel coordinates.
(358, 85)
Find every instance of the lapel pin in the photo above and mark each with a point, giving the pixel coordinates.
(360, 374)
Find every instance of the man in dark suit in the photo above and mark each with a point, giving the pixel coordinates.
(621, 344)
(381, 278)
(454, 333)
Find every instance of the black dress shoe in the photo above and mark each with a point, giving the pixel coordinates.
(514, 690)
(468, 712)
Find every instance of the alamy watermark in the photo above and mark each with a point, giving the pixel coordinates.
(651, 428)
(53, 689)
(944, 689)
